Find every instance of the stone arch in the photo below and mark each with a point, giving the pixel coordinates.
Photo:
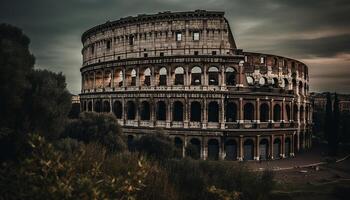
(161, 110)
(275, 82)
(277, 113)
(213, 75)
(178, 110)
(145, 110)
(231, 112)
(277, 148)
(287, 147)
(230, 74)
(213, 111)
(263, 81)
(90, 106)
(99, 79)
(300, 87)
(162, 76)
(179, 145)
(231, 149)
(248, 149)
(107, 79)
(97, 106)
(118, 109)
(131, 110)
(213, 149)
(118, 78)
(250, 80)
(301, 112)
(106, 106)
(264, 112)
(146, 77)
(196, 112)
(196, 143)
(287, 113)
(196, 75)
(179, 76)
(249, 111)
(295, 112)
(264, 149)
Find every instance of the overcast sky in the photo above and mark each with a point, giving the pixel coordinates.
(317, 32)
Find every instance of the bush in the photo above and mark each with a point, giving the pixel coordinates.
(157, 146)
(97, 127)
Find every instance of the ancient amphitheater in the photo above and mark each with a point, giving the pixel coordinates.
(182, 72)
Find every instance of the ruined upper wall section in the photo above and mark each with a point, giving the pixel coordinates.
(163, 34)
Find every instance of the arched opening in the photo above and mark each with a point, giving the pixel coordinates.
(99, 79)
(131, 110)
(213, 112)
(195, 152)
(275, 83)
(130, 143)
(97, 107)
(145, 111)
(285, 84)
(179, 76)
(162, 76)
(106, 107)
(213, 76)
(306, 113)
(91, 80)
(294, 83)
(196, 75)
(250, 80)
(301, 113)
(213, 149)
(287, 147)
(161, 111)
(301, 140)
(84, 106)
(300, 87)
(295, 112)
(179, 146)
(230, 76)
(147, 77)
(277, 148)
(295, 142)
(178, 111)
(277, 113)
(248, 148)
(287, 113)
(133, 78)
(263, 81)
(264, 149)
(118, 109)
(107, 79)
(196, 111)
(231, 150)
(118, 78)
(90, 106)
(231, 112)
(249, 112)
(264, 112)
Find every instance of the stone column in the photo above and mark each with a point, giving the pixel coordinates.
(257, 148)
(271, 111)
(110, 104)
(112, 78)
(124, 77)
(283, 109)
(241, 113)
(138, 77)
(124, 110)
(204, 154)
(283, 150)
(205, 114)
(152, 77)
(272, 138)
(240, 157)
(152, 110)
(257, 110)
(222, 113)
(186, 107)
(205, 74)
(169, 112)
(94, 86)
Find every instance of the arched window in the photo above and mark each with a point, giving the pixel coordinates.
(179, 146)
(118, 109)
(145, 111)
(162, 76)
(276, 148)
(249, 111)
(147, 77)
(131, 110)
(264, 149)
(250, 80)
(179, 76)
(287, 147)
(275, 82)
(196, 111)
(106, 106)
(295, 113)
(301, 113)
(133, 77)
(264, 112)
(178, 111)
(213, 76)
(119, 79)
(161, 111)
(277, 113)
(97, 107)
(213, 149)
(231, 112)
(287, 113)
(300, 87)
(248, 149)
(213, 112)
(196, 144)
(196, 75)
(231, 150)
(98, 79)
(284, 84)
(107, 78)
(262, 81)
(90, 106)
(230, 74)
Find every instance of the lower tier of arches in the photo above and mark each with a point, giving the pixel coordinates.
(206, 146)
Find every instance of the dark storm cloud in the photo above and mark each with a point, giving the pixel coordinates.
(294, 28)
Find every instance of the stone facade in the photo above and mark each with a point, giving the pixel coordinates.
(182, 72)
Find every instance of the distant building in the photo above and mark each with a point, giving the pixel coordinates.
(182, 71)
(319, 101)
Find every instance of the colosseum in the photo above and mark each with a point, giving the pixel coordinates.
(182, 72)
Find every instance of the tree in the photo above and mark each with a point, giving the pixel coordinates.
(97, 127)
